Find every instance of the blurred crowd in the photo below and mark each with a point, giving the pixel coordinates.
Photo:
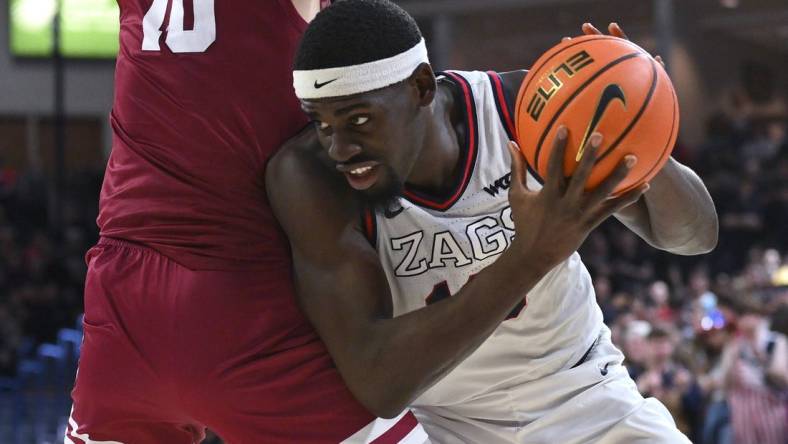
(705, 335)
(42, 270)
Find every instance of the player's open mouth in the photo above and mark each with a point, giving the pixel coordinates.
(360, 175)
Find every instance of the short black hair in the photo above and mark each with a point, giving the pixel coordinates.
(780, 319)
(351, 32)
(658, 333)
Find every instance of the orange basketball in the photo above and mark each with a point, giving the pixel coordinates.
(605, 84)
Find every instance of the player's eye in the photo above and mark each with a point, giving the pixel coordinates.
(359, 120)
(321, 125)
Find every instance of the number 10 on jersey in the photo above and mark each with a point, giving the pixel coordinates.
(179, 40)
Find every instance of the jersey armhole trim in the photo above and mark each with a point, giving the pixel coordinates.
(369, 226)
(501, 104)
(505, 107)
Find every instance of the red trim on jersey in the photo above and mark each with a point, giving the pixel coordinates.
(405, 425)
(469, 158)
(368, 222)
(504, 108)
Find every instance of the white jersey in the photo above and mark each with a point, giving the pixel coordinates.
(433, 247)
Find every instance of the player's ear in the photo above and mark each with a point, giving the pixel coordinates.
(423, 79)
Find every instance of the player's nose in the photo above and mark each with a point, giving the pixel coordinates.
(342, 150)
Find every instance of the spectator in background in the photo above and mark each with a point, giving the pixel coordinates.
(10, 338)
(780, 319)
(631, 266)
(596, 253)
(604, 298)
(670, 382)
(635, 347)
(659, 297)
(714, 334)
(768, 135)
(756, 97)
(720, 150)
(755, 371)
(741, 223)
(775, 180)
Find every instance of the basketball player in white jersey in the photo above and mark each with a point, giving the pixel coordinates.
(406, 259)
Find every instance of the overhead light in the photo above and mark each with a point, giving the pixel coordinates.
(730, 3)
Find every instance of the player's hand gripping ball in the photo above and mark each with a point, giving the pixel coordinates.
(605, 84)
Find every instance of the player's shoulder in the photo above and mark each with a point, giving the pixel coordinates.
(295, 158)
(301, 167)
(300, 182)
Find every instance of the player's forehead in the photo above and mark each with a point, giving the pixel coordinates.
(378, 100)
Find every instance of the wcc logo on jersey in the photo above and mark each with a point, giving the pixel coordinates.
(500, 185)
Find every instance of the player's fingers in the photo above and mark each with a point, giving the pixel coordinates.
(564, 39)
(590, 29)
(519, 176)
(616, 204)
(616, 30)
(603, 190)
(586, 158)
(555, 166)
(661, 62)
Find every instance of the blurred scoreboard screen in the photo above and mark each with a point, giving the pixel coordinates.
(89, 28)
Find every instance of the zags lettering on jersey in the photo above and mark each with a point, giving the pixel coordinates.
(483, 235)
(444, 248)
(406, 266)
(483, 238)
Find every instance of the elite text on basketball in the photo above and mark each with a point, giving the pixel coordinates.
(570, 67)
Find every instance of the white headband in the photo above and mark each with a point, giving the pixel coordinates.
(355, 79)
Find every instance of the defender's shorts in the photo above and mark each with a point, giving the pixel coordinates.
(169, 351)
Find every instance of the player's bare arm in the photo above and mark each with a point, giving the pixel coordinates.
(387, 362)
(677, 213)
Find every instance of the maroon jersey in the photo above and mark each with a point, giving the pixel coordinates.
(203, 97)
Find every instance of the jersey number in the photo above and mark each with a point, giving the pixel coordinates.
(441, 292)
(197, 39)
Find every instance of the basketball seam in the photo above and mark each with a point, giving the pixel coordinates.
(579, 41)
(636, 118)
(672, 137)
(569, 100)
(535, 70)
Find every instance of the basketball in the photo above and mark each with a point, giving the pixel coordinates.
(598, 83)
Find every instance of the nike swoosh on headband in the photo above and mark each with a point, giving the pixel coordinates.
(320, 85)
